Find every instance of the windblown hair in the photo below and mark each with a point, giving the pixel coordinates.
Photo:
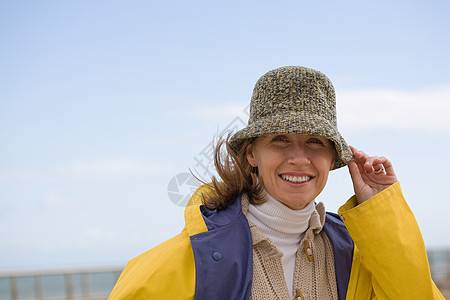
(237, 177)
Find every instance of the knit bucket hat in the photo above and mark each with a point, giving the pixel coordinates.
(294, 100)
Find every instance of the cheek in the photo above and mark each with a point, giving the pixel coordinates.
(268, 164)
(271, 160)
(324, 160)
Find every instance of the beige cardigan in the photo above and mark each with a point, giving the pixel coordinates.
(314, 275)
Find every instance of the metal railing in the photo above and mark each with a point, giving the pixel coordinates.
(440, 270)
(439, 263)
(96, 284)
(59, 285)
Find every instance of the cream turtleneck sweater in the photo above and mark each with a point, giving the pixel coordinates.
(285, 227)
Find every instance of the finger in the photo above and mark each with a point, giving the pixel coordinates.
(378, 160)
(353, 149)
(356, 168)
(375, 164)
(360, 156)
(378, 169)
(379, 165)
(389, 169)
(355, 173)
(369, 164)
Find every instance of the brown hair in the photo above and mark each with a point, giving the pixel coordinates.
(236, 174)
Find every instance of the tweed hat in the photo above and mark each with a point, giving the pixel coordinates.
(294, 100)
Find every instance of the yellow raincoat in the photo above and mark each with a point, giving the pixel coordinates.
(389, 257)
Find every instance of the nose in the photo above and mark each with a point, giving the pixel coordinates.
(298, 155)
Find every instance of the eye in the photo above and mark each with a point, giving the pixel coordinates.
(280, 138)
(317, 141)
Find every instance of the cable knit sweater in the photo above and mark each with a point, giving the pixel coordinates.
(292, 256)
(285, 227)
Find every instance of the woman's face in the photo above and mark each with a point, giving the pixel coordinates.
(293, 168)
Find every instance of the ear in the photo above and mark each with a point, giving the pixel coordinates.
(333, 160)
(251, 155)
(334, 157)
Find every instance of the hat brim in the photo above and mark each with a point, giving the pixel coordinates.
(298, 123)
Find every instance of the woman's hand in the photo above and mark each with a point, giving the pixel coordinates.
(370, 174)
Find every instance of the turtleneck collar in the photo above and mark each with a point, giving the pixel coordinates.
(273, 217)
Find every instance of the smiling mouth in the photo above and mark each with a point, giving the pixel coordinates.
(295, 179)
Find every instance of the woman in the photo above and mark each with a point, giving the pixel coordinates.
(258, 234)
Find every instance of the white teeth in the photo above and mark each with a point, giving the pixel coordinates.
(295, 179)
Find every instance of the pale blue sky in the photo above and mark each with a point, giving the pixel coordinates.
(102, 103)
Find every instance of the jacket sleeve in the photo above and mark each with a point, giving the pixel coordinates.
(390, 248)
(164, 272)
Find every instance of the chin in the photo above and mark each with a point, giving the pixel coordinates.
(296, 204)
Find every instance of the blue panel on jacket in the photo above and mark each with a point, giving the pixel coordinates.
(343, 251)
(223, 255)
